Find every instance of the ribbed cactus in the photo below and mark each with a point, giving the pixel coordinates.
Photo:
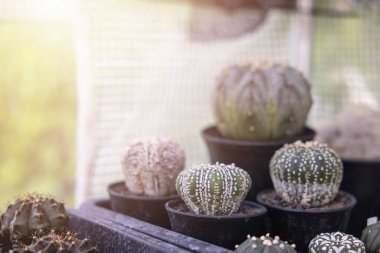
(265, 244)
(30, 214)
(56, 243)
(307, 174)
(336, 243)
(151, 166)
(215, 189)
(371, 238)
(264, 102)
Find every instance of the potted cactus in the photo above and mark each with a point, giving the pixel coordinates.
(306, 199)
(336, 242)
(257, 110)
(150, 167)
(355, 136)
(371, 238)
(212, 207)
(265, 244)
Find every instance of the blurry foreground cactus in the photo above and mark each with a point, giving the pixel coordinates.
(264, 102)
(308, 174)
(151, 166)
(336, 243)
(213, 189)
(371, 238)
(265, 244)
(33, 213)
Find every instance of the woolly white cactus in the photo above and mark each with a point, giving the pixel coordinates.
(151, 166)
(308, 174)
(215, 189)
(264, 244)
(336, 243)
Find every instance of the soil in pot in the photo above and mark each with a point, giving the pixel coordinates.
(252, 156)
(146, 208)
(361, 179)
(298, 225)
(225, 231)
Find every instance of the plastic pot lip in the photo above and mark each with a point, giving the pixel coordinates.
(114, 193)
(170, 209)
(290, 210)
(211, 134)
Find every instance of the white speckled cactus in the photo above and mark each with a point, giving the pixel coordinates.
(264, 102)
(308, 174)
(215, 189)
(151, 166)
(265, 244)
(336, 243)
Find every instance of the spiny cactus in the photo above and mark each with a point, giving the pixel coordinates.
(336, 243)
(213, 189)
(32, 213)
(307, 174)
(264, 244)
(56, 243)
(151, 166)
(371, 238)
(264, 102)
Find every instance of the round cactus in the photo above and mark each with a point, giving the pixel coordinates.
(33, 213)
(265, 102)
(371, 238)
(265, 244)
(213, 189)
(336, 243)
(307, 174)
(151, 166)
(56, 243)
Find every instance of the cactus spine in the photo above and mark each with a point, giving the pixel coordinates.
(371, 238)
(265, 102)
(151, 166)
(213, 189)
(308, 174)
(265, 244)
(336, 243)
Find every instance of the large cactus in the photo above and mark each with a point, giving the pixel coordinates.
(32, 213)
(213, 189)
(265, 244)
(336, 243)
(264, 102)
(371, 238)
(151, 166)
(308, 174)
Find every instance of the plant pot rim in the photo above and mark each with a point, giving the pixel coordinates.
(352, 203)
(212, 134)
(360, 161)
(170, 203)
(129, 195)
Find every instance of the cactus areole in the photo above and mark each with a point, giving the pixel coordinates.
(215, 189)
(266, 102)
(264, 244)
(371, 238)
(336, 243)
(307, 174)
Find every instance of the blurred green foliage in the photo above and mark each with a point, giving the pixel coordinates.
(37, 109)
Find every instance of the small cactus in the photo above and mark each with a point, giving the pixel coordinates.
(56, 243)
(260, 103)
(32, 213)
(371, 238)
(307, 174)
(213, 189)
(336, 243)
(265, 244)
(151, 166)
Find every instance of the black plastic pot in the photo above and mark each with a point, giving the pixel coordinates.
(301, 226)
(225, 231)
(252, 156)
(146, 208)
(362, 179)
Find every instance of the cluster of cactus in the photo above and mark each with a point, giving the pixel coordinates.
(371, 238)
(151, 166)
(263, 102)
(215, 189)
(306, 174)
(264, 244)
(336, 242)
